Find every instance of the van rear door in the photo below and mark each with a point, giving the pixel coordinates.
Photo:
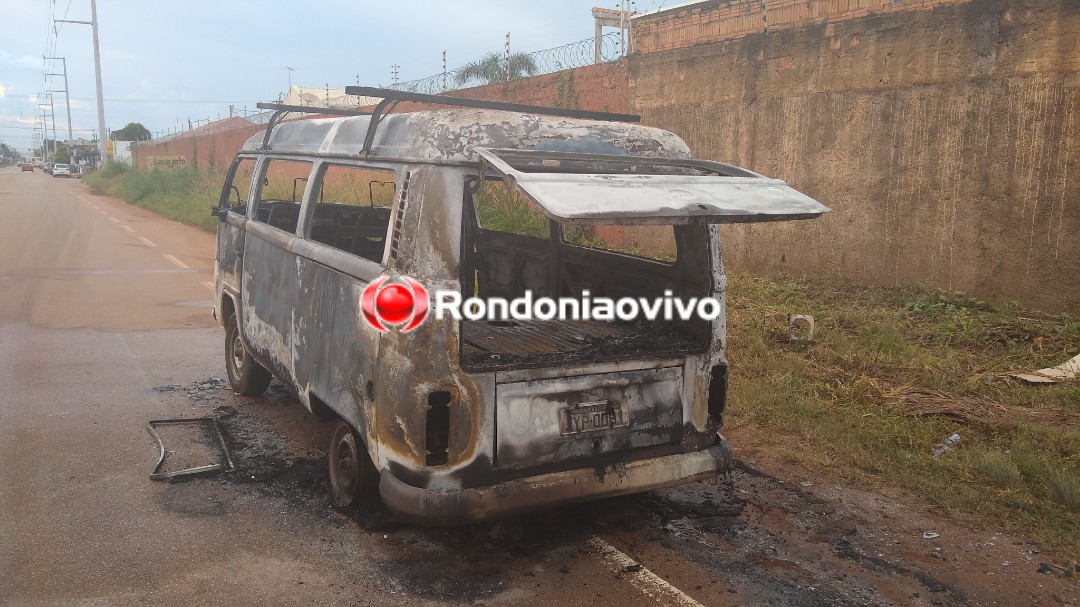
(575, 408)
(607, 189)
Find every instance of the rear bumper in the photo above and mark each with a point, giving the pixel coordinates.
(430, 506)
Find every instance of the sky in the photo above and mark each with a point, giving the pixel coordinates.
(163, 63)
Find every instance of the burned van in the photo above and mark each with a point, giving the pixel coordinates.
(502, 307)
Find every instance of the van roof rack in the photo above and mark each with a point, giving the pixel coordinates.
(391, 97)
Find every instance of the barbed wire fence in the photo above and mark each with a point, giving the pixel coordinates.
(548, 61)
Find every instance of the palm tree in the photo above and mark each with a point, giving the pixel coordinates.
(491, 68)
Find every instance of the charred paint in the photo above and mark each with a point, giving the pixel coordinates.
(505, 450)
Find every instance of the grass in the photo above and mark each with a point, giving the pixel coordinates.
(186, 195)
(504, 209)
(892, 373)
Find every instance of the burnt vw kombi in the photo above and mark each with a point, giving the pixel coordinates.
(463, 418)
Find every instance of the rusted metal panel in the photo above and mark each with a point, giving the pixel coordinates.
(532, 415)
(658, 198)
(449, 136)
(548, 417)
(452, 506)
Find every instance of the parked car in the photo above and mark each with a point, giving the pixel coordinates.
(26, 166)
(341, 239)
(61, 170)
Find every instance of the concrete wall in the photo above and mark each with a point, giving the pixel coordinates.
(601, 87)
(214, 149)
(943, 138)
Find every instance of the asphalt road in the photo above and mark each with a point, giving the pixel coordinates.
(105, 324)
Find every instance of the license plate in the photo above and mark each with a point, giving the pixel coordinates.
(593, 416)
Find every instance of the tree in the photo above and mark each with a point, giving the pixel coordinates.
(491, 68)
(134, 131)
(62, 156)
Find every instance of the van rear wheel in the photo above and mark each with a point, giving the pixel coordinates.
(352, 475)
(247, 377)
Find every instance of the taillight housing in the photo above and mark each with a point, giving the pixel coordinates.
(437, 436)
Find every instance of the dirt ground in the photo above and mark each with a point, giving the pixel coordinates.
(768, 535)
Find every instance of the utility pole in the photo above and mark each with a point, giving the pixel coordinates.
(394, 72)
(45, 129)
(97, 74)
(622, 27)
(45, 121)
(52, 114)
(444, 86)
(67, 94)
(507, 56)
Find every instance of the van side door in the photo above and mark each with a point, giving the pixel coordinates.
(269, 281)
(346, 228)
(232, 217)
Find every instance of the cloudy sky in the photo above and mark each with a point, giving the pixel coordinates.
(166, 62)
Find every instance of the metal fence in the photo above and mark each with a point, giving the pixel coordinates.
(548, 61)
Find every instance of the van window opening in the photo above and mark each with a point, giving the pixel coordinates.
(353, 209)
(508, 250)
(235, 194)
(280, 191)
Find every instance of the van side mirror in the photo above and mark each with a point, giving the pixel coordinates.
(219, 212)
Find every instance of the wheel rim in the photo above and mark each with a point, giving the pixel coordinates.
(237, 358)
(344, 466)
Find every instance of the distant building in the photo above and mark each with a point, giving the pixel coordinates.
(83, 152)
(313, 96)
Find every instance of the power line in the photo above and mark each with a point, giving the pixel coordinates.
(124, 100)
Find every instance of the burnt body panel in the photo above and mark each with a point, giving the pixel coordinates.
(560, 419)
(268, 299)
(472, 420)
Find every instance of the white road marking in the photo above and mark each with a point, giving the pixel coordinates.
(208, 285)
(128, 228)
(146, 241)
(176, 262)
(115, 219)
(642, 579)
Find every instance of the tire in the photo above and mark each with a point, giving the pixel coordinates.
(247, 377)
(352, 475)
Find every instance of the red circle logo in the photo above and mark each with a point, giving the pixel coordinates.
(400, 304)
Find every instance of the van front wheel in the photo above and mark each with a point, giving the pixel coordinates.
(352, 475)
(247, 377)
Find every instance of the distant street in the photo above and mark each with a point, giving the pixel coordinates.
(105, 324)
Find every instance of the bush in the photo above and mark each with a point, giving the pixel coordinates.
(184, 195)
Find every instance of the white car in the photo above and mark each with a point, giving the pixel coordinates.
(61, 170)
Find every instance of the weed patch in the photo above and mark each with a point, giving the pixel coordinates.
(184, 195)
(892, 373)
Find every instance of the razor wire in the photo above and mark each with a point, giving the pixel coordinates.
(548, 61)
